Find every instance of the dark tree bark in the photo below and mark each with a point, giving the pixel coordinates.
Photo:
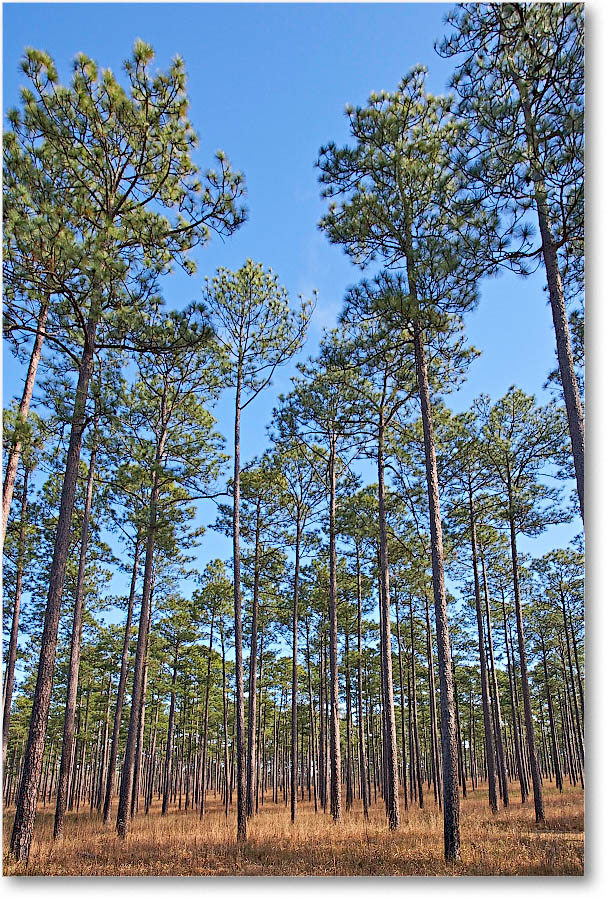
(483, 669)
(313, 737)
(169, 746)
(451, 796)
(74, 667)
(525, 686)
(555, 753)
(390, 745)
(334, 721)
(238, 625)
(120, 695)
(362, 755)
(415, 710)
(435, 765)
(574, 408)
(294, 677)
(24, 407)
(225, 712)
(206, 719)
(9, 679)
(402, 698)
(126, 782)
(523, 783)
(23, 824)
(499, 740)
(253, 658)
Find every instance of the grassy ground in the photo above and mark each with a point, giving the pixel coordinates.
(508, 843)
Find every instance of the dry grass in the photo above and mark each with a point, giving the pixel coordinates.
(508, 843)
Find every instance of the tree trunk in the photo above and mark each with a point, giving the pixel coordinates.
(361, 720)
(525, 686)
(126, 783)
(253, 659)
(579, 730)
(518, 751)
(120, 694)
(313, 742)
(23, 825)
(415, 710)
(433, 708)
(238, 626)
(556, 765)
(70, 703)
(294, 677)
(334, 723)
(169, 747)
(574, 408)
(483, 669)
(24, 408)
(402, 698)
(9, 679)
(206, 719)
(451, 796)
(499, 741)
(390, 747)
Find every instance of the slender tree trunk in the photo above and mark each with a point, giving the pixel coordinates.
(22, 414)
(104, 756)
(120, 694)
(433, 708)
(518, 750)
(349, 768)
(483, 669)
(322, 727)
(169, 747)
(225, 712)
(238, 625)
(415, 710)
(451, 796)
(206, 718)
(313, 739)
(499, 741)
(126, 782)
(581, 692)
(25, 814)
(556, 765)
(9, 679)
(334, 730)
(461, 760)
(525, 686)
(294, 676)
(361, 720)
(257, 775)
(579, 730)
(70, 703)
(574, 407)
(139, 747)
(253, 659)
(402, 698)
(390, 749)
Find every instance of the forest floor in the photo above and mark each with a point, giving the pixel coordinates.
(509, 843)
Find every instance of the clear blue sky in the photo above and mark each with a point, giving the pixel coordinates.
(268, 84)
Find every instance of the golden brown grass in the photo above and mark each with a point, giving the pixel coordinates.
(509, 843)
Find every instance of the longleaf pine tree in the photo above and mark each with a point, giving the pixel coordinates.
(521, 82)
(393, 196)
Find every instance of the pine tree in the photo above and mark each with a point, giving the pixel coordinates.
(258, 332)
(521, 86)
(123, 169)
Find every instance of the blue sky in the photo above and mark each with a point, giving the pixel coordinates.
(268, 84)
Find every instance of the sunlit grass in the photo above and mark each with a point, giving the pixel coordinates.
(508, 843)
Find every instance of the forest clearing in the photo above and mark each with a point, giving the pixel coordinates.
(293, 564)
(506, 844)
